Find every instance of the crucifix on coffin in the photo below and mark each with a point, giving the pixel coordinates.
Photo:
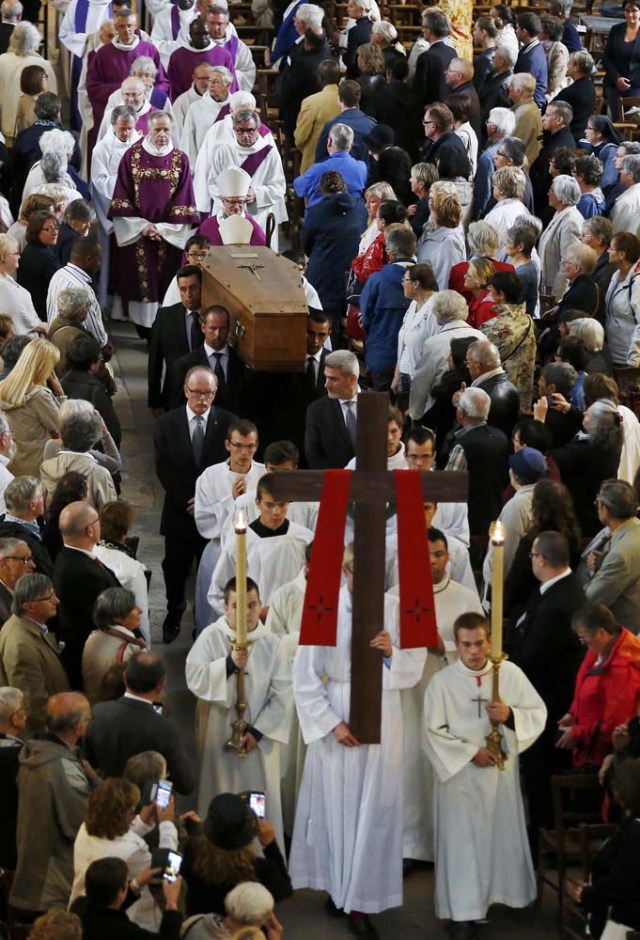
(371, 487)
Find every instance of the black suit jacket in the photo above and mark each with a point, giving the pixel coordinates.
(429, 83)
(358, 35)
(168, 342)
(614, 53)
(6, 600)
(6, 30)
(546, 648)
(299, 80)
(232, 398)
(581, 95)
(505, 403)
(120, 729)
(326, 440)
(469, 93)
(77, 580)
(539, 172)
(176, 467)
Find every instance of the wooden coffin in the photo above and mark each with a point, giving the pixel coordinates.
(263, 294)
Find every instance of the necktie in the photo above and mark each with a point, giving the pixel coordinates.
(196, 337)
(218, 371)
(197, 441)
(350, 421)
(311, 372)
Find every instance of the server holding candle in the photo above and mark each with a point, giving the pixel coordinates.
(239, 646)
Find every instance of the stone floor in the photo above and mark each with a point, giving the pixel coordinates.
(303, 915)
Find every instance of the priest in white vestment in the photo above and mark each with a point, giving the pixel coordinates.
(482, 849)
(451, 599)
(420, 454)
(211, 675)
(347, 838)
(204, 111)
(275, 549)
(171, 27)
(217, 490)
(105, 161)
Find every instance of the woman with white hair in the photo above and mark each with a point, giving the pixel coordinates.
(13, 297)
(563, 230)
(249, 904)
(451, 312)
(358, 32)
(58, 142)
(23, 51)
(590, 332)
(508, 190)
(483, 242)
(385, 36)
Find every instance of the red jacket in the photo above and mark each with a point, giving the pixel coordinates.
(458, 271)
(605, 699)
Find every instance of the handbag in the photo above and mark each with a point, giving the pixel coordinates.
(614, 931)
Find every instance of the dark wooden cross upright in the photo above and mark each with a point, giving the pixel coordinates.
(372, 487)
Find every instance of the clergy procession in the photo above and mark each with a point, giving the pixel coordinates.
(319, 469)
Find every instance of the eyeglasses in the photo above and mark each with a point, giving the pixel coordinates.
(501, 153)
(427, 123)
(25, 559)
(198, 394)
(245, 447)
(235, 202)
(408, 280)
(536, 555)
(93, 521)
(246, 131)
(49, 228)
(47, 597)
(198, 255)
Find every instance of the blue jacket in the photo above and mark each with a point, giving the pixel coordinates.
(330, 237)
(533, 60)
(361, 125)
(382, 308)
(287, 35)
(353, 172)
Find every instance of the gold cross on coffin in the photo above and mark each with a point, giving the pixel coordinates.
(372, 487)
(253, 268)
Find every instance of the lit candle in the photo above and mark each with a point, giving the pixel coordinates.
(497, 536)
(241, 578)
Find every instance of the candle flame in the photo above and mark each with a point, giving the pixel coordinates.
(241, 521)
(497, 533)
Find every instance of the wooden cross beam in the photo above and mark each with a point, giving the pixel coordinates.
(372, 487)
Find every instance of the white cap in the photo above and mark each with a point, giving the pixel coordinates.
(233, 183)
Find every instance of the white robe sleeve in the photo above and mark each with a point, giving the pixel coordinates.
(274, 718)
(316, 715)
(529, 712)
(129, 230)
(245, 68)
(448, 754)
(273, 190)
(210, 510)
(75, 42)
(206, 670)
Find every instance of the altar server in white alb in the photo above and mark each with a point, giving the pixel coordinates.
(203, 112)
(347, 837)
(275, 549)
(482, 850)
(211, 669)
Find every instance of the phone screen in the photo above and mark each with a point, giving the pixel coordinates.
(257, 802)
(163, 793)
(172, 867)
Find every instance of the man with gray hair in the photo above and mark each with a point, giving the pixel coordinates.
(300, 75)
(481, 450)
(625, 214)
(485, 369)
(11, 12)
(430, 83)
(528, 121)
(500, 124)
(495, 90)
(206, 111)
(29, 655)
(459, 79)
(610, 565)
(16, 560)
(24, 500)
(330, 432)
(13, 722)
(556, 126)
(53, 791)
(353, 172)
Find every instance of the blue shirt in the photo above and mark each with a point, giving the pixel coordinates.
(353, 172)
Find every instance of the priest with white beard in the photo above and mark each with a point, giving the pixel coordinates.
(451, 599)
(482, 850)
(347, 837)
(105, 161)
(275, 549)
(211, 669)
(205, 111)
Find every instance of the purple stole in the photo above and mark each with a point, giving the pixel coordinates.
(222, 113)
(82, 14)
(251, 163)
(175, 21)
(232, 47)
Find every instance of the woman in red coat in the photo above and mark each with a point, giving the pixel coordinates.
(607, 686)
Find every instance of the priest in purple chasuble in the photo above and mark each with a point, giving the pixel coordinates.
(223, 34)
(153, 210)
(200, 48)
(112, 62)
(171, 26)
(232, 225)
(261, 160)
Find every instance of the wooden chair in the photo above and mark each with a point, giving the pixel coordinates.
(628, 381)
(630, 128)
(562, 843)
(590, 838)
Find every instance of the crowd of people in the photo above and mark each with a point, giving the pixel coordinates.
(464, 213)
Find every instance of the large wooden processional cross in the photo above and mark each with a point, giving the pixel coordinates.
(370, 488)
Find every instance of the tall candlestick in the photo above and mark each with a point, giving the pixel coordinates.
(241, 578)
(497, 536)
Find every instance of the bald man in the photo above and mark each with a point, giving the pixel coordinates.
(53, 789)
(134, 93)
(78, 578)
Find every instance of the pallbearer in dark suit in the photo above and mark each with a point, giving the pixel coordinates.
(175, 332)
(187, 441)
(330, 435)
(78, 577)
(215, 354)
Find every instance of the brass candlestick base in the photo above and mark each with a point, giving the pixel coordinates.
(494, 738)
(239, 725)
